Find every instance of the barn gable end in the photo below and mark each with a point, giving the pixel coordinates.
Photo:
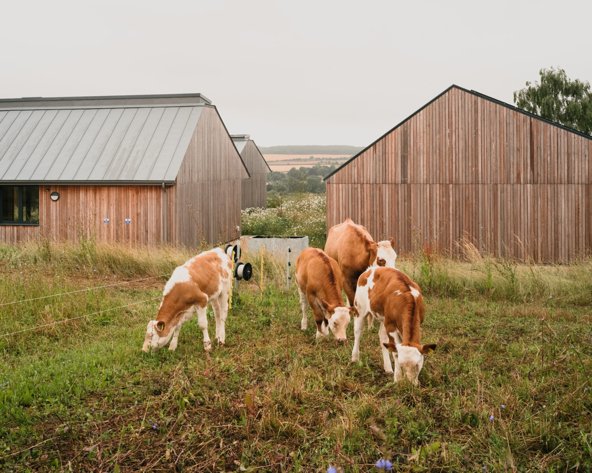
(208, 186)
(468, 167)
(254, 188)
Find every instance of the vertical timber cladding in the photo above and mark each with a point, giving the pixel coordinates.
(81, 212)
(208, 189)
(467, 167)
(254, 188)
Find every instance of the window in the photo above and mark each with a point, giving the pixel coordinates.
(19, 205)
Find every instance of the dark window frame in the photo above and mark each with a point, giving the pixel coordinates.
(20, 193)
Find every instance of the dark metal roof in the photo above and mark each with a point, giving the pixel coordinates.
(105, 101)
(115, 139)
(472, 92)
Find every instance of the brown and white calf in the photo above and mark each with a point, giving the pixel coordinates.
(355, 250)
(205, 278)
(396, 301)
(319, 283)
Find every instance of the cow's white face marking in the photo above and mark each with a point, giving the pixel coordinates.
(338, 323)
(180, 274)
(410, 361)
(386, 254)
(414, 293)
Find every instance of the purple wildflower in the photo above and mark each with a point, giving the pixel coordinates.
(380, 464)
(331, 469)
(491, 418)
(388, 466)
(154, 426)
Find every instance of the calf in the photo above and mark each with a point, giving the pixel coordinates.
(319, 282)
(354, 250)
(396, 301)
(205, 278)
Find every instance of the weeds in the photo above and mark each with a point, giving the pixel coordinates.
(296, 215)
(508, 388)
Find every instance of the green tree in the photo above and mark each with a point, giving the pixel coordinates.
(558, 98)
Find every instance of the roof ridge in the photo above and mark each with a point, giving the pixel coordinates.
(472, 92)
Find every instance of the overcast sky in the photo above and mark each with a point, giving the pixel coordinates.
(292, 72)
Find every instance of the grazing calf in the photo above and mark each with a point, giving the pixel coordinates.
(204, 278)
(396, 301)
(319, 282)
(354, 250)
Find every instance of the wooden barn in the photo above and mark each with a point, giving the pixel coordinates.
(156, 169)
(254, 187)
(467, 167)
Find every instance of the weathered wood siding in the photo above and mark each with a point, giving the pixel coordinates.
(208, 190)
(81, 210)
(466, 167)
(254, 188)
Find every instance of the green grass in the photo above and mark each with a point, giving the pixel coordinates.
(514, 342)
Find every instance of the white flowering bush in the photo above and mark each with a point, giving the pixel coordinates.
(296, 215)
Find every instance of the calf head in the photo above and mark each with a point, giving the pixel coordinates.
(179, 297)
(155, 337)
(409, 360)
(338, 318)
(386, 254)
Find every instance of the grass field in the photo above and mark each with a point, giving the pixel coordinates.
(508, 389)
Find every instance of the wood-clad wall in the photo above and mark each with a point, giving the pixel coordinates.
(254, 188)
(466, 167)
(81, 211)
(208, 190)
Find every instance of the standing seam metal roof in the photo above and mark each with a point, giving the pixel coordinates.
(95, 142)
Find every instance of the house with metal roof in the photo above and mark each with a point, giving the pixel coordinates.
(143, 169)
(254, 187)
(467, 170)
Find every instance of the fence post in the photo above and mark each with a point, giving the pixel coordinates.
(288, 274)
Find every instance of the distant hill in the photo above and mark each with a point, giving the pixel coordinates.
(311, 149)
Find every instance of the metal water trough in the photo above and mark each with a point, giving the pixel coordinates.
(283, 249)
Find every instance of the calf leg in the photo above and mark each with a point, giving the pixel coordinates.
(185, 317)
(220, 317)
(175, 338)
(358, 329)
(386, 356)
(398, 370)
(303, 304)
(202, 320)
(319, 316)
(350, 283)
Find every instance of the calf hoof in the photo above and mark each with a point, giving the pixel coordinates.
(221, 343)
(208, 347)
(172, 347)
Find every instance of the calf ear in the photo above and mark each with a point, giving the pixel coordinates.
(372, 248)
(392, 240)
(428, 348)
(159, 325)
(390, 346)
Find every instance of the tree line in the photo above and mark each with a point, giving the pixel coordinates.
(302, 179)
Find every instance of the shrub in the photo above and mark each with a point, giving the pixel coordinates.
(295, 215)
